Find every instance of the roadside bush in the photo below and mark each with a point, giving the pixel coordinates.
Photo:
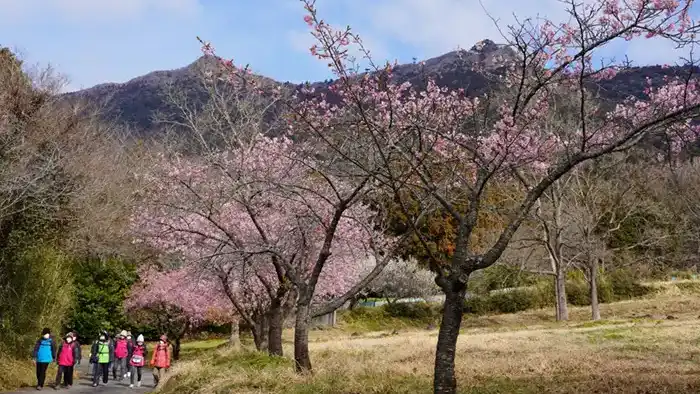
(15, 372)
(39, 294)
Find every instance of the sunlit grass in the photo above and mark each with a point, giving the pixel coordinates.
(633, 351)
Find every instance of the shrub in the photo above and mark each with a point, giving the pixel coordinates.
(501, 276)
(511, 301)
(15, 372)
(578, 292)
(41, 295)
(411, 310)
(477, 305)
(681, 275)
(625, 286)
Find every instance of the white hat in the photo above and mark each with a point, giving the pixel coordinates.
(140, 338)
(123, 333)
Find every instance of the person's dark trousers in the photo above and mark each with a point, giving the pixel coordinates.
(66, 373)
(101, 369)
(41, 373)
(136, 372)
(119, 364)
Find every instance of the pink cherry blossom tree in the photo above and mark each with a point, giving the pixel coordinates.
(265, 223)
(279, 227)
(543, 118)
(178, 301)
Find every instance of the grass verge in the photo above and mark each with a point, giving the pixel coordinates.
(638, 349)
(16, 373)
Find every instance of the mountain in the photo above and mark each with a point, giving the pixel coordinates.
(135, 102)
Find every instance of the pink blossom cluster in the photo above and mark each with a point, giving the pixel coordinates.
(523, 133)
(193, 296)
(234, 212)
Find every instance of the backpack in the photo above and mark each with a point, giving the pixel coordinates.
(137, 358)
(121, 351)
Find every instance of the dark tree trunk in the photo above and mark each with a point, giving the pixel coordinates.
(593, 282)
(176, 349)
(560, 290)
(275, 329)
(302, 359)
(445, 381)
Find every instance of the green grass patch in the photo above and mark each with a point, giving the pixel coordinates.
(618, 334)
(383, 318)
(191, 349)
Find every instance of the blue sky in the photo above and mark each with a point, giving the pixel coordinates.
(96, 41)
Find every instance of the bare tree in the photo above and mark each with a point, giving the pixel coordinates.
(607, 198)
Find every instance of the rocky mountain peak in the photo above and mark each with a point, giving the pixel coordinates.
(485, 46)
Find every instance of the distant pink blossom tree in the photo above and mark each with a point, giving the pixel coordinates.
(444, 148)
(177, 301)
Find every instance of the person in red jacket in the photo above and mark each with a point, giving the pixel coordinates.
(137, 359)
(160, 362)
(68, 356)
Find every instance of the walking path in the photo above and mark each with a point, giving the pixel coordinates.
(83, 385)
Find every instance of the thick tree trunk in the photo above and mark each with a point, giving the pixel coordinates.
(234, 339)
(444, 380)
(560, 290)
(260, 332)
(302, 358)
(593, 281)
(275, 329)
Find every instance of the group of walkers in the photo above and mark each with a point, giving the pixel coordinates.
(123, 355)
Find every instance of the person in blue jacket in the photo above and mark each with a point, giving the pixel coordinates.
(43, 355)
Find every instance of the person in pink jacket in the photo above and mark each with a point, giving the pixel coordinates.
(68, 356)
(137, 360)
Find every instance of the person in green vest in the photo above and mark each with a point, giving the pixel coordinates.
(101, 354)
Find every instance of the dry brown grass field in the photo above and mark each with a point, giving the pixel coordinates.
(637, 349)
